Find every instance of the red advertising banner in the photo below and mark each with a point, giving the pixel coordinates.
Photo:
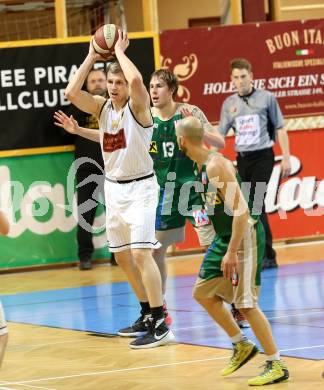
(296, 204)
(287, 59)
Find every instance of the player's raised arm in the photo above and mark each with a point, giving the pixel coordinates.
(211, 135)
(139, 97)
(74, 93)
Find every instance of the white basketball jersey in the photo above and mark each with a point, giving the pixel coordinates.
(124, 143)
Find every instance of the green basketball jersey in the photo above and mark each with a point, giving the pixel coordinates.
(219, 214)
(215, 206)
(166, 155)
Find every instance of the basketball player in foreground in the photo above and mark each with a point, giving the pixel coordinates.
(174, 172)
(131, 189)
(231, 267)
(4, 230)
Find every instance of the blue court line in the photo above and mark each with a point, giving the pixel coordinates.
(292, 298)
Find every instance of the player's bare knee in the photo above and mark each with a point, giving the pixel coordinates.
(141, 256)
(202, 301)
(159, 252)
(4, 339)
(121, 259)
(206, 301)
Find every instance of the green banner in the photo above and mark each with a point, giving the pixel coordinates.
(37, 193)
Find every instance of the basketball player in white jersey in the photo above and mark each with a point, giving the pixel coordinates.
(131, 189)
(4, 230)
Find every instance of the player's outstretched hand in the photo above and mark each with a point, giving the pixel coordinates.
(67, 123)
(122, 41)
(185, 112)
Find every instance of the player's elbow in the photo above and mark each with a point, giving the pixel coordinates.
(242, 212)
(220, 139)
(221, 142)
(215, 140)
(69, 94)
(136, 81)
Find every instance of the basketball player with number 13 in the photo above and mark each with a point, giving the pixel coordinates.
(131, 189)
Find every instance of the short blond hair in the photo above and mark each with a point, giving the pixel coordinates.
(191, 128)
(114, 67)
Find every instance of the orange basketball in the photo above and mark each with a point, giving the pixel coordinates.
(104, 39)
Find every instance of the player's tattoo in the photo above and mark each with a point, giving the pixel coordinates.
(203, 120)
(197, 113)
(200, 115)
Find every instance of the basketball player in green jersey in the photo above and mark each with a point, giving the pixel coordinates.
(4, 230)
(174, 170)
(231, 267)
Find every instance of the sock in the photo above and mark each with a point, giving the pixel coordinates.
(145, 308)
(157, 313)
(275, 356)
(237, 338)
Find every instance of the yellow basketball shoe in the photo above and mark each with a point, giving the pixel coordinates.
(243, 351)
(275, 371)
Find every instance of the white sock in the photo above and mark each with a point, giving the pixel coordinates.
(275, 356)
(237, 338)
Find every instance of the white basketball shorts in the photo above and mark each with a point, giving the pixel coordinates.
(130, 214)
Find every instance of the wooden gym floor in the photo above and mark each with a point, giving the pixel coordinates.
(62, 329)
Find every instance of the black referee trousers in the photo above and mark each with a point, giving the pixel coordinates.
(256, 167)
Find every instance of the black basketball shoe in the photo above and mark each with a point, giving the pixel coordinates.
(138, 329)
(158, 334)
